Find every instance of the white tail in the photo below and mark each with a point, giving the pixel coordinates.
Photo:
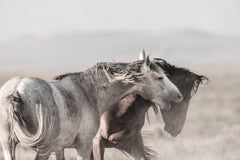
(45, 132)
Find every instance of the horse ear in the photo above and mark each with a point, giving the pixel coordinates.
(146, 64)
(142, 55)
(147, 61)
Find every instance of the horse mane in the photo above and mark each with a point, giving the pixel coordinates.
(127, 72)
(149, 152)
(187, 81)
(185, 74)
(61, 76)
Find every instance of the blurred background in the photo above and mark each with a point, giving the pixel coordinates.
(48, 37)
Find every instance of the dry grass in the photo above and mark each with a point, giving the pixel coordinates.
(211, 131)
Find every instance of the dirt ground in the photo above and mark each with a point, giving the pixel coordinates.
(212, 127)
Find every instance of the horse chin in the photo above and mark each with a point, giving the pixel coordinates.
(172, 130)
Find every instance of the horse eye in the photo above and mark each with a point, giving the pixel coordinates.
(160, 78)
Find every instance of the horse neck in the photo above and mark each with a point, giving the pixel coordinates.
(133, 109)
(132, 104)
(141, 106)
(98, 91)
(108, 93)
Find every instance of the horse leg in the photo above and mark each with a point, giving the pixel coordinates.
(8, 149)
(135, 147)
(118, 136)
(133, 151)
(8, 142)
(84, 146)
(42, 157)
(87, 131)
(98, 147)
(60, 155)
(84, 151)
(7, 138)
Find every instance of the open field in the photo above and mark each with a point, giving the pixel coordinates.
(212, 127)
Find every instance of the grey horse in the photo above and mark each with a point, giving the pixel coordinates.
(50, 116)
(120, 126)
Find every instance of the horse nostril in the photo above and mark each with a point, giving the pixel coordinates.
(180, 96)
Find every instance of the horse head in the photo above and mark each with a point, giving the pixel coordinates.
(156, 87)
(188, 83)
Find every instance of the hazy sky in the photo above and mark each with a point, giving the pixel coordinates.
(47, 17)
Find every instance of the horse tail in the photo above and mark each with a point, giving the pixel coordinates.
(46, 130)
(150, 153)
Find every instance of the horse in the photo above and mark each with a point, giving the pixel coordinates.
(48, 116)
(120, 126)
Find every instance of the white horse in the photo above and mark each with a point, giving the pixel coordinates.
(50, 116)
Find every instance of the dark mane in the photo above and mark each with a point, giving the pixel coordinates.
(184, 75)
(185, 80)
